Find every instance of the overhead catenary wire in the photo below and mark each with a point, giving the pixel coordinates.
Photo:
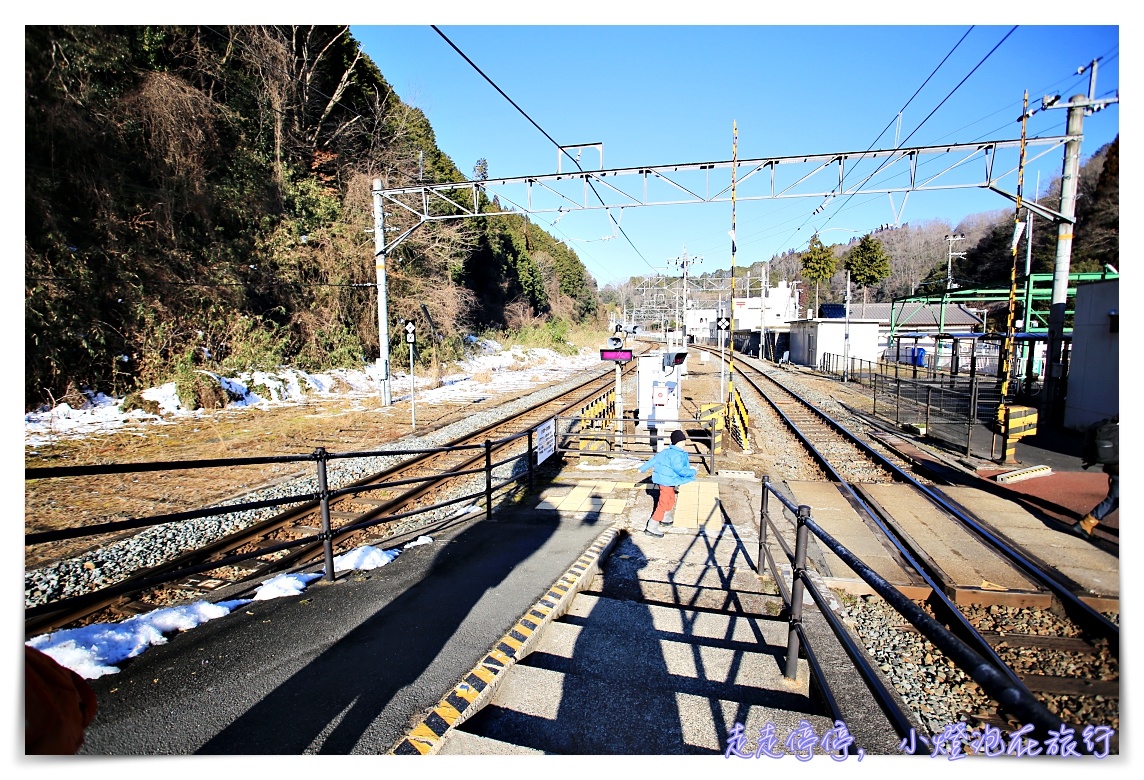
(164, 283)
(927, 118)
(1072, 79)
(561, 149)
(889, 124)
(1056, 127)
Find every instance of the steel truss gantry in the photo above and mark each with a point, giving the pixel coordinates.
(762, 178)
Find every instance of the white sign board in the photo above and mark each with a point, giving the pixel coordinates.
(545, 440)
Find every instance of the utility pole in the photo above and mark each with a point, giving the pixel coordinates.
(731, 316)
(382, 304)
(1079, 106)
(684, 262)
(949, 283)
(846, 335)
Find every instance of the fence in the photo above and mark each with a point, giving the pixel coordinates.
(586, 438)
(940, 405)
(519, 464)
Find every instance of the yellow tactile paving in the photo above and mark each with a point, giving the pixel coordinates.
(594, 496)
(697, 504)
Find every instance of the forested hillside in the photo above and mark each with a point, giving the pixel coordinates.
(200, 197)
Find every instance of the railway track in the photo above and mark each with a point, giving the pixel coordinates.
(385, 507)
(1067, 655)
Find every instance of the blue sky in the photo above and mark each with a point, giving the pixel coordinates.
(655, 95)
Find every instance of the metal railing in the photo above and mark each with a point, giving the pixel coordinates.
(993, 680)
(522, 466)
(945, 406)
(618, 438)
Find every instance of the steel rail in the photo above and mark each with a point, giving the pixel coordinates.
(858, 657)
(1017, 699)
(1089, 616)
(50, 616)
(982, 646)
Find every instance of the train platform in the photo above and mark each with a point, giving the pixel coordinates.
(1069, 492)
(666, 647)
(619, 643)
(340, 668)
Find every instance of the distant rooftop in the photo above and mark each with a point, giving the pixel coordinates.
(912, 315)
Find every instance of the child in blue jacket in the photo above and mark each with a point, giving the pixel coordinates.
(670, 469)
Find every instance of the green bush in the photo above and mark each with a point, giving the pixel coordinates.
(195, 388)
(255, 343)
(553, 334)
(335, 346)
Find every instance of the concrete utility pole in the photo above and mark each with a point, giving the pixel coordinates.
(949, 283)
(1078, 107)
(382, 303)
(846, 335)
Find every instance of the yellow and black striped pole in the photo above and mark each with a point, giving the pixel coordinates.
(1008, 450)
(731, 316)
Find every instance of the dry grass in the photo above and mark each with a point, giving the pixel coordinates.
(339, 425)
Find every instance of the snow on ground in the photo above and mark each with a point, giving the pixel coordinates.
(490, 371)
(92, 651)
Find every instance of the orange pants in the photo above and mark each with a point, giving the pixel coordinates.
(664, 503)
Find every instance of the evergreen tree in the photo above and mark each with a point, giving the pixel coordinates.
(867, 263)
(818, 264)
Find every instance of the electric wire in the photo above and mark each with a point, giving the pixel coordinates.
(927, 118)
(887, 127)
(546, 135)
(1056, 128)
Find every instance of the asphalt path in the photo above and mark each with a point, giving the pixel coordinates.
(345, 667)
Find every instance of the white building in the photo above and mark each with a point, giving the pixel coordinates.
(1094, 364)
(813, 338)
(774, 310)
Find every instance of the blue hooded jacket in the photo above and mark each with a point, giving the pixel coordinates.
(670, 467)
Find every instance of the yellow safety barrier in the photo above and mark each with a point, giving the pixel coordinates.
(740, 422)
(1016, 421)
(597, 415)
(718, 414)
(1020, 421)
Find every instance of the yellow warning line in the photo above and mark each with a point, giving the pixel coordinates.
(471, 693)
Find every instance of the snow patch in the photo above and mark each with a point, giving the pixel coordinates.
(286, 386)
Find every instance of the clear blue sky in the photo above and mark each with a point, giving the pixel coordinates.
(656, 95)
